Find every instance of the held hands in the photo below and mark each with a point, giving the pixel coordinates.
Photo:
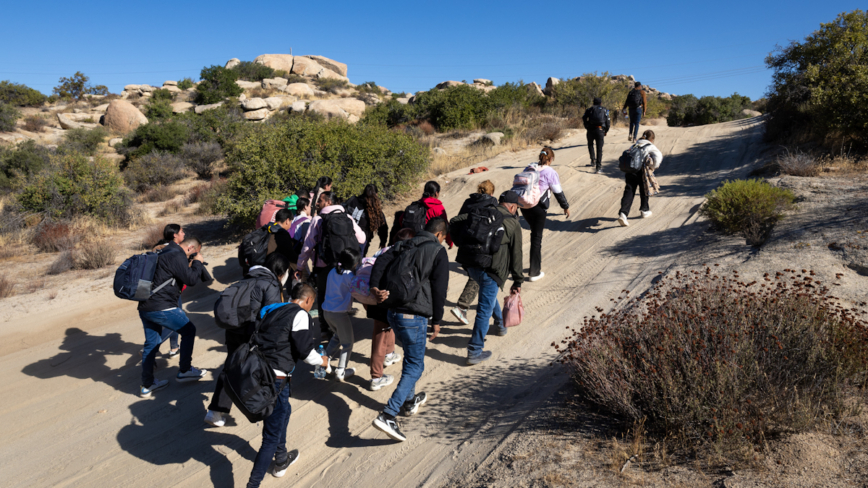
(435, 330)
(198, 257)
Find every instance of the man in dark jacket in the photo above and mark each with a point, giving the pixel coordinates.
(284, 338)
(636, 103)
(410, 319)
(162, 310)
(596, 120)
(507, 260)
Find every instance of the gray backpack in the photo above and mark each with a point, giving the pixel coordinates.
(233, 309)
(632, 160)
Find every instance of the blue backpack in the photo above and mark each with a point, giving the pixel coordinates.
(135, 277)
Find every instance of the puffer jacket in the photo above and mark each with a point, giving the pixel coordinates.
(285, 337)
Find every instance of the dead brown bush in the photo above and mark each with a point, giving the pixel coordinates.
(53, 236)
(64, 262)
(160, 194)
(7, 287)
(34, 123)
(152, 236)
(95, 255)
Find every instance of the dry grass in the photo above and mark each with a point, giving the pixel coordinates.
(172, 207)
(96, 255)
(264, 93)
(34, 123)
(64, 262)
(7, 287)
(56, 236)
(470, 156)
(152, 236)
(52, 294)
(35, 285)
(160, 194)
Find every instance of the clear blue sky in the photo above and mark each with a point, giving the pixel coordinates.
(704, 48)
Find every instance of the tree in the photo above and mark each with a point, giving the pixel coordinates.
(217, 84)
(77, 86)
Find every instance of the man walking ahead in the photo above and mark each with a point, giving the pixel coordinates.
(636, 103)
(418, 268)
(597, 124)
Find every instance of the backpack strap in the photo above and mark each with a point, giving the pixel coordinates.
(171, 280)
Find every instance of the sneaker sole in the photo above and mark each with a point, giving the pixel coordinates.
(415, 410)
(462, 320)
(281, 473)
(375, 388)
(623, 223)
(386, 430)
(188, 379)
(146, 395)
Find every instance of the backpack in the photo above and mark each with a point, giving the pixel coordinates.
(632, 160)
(135, 277)
(233, 310)
(634, 98)
(249, 381)
(336, 234)
(254, 247)
(415, 217)
(403, 278)
(597, 117)
(479, 237)
(298, 241)
(360, 287)
(269, 210)
(526, 184)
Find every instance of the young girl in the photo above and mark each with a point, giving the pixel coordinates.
(536, 216)
(338, 301)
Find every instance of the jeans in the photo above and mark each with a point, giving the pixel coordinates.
(485, 310)
(536, 219)
(596, 136)
(635, 118)
(174, 319)
(220, 401)
(471, 289)
(273, 436)
(413, 332)
(634, 180)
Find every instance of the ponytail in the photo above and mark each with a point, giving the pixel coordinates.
(546, 156)
(432, 189)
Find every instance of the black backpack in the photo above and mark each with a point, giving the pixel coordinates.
(414, 217)
(597, 117)
(336, 234)
(233, 309)
(254, 247)
(479, 236)
(634, 98)
(403, 278)
(632, 160)
(250, 381)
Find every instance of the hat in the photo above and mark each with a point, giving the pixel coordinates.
(509, 196)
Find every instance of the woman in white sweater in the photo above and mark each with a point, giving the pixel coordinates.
(635, 180)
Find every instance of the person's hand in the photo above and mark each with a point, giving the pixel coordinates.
(515, 289)
(325, 362)
(435, 330)
(567, 212)
(199, 257)
(380, 295)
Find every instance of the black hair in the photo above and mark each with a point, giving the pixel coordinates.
(302, 192)
(598, 101)
(432, 188)
(321, 183)
(169, 232)
(277, 263)
(283, 214)
(637, 84)
(405, 234)
(301, 291)
(374, 208)
(349, 259)
(301, 203)
(329, 195)
(436, 225)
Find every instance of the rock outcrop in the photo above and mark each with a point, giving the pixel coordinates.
(298, 89)
(344, 108)
(534, 89)
(282, 62)
(446, 84)
(330, 64)
(67, 122)
(232, 63)
(123, 117)
(550, 84)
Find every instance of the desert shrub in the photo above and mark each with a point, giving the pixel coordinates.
(20, 95)
(209, 198)
(157, 168)
(369, 87)
(77, 86)
(8, 116)
(219, 125)
(797, 163)
(166, 136)
(749, 207)
(294, 78)
(162, 94)
(280, 157)
(95, 255)
(217, 84)
(171, 207)
(84, 141)
(74, 185)
(152, 236)
(389, 113)
(185, 83)
(34, 123)
(331, 85)
(250, 71)
(720, 365)
(457, 107)
(7, 287)
(65, 261)
(158, 109)
(681, 110)
(25, 159)
(159, 194)
(200, 157)
(52, 236)
(687, 109)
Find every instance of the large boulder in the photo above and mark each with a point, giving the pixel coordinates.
(305, 66)
(534, 89)
(550, 84)
(181, 107)
(276, 61)
(492, 138)
(260, 114)
(329, 74)
(274, 83)
(447, 84)
(232, 63)
(482, 81)
(170, 83)
(254, 104)
(172, 89)
(344, 108)
(298, 107)
(123, 117)
(337, 67)
(276, 103)
(298, 89)
(248, 85)
(67, 122)
(404, 100)
(202, 108)
(369, 98)
(130, 88)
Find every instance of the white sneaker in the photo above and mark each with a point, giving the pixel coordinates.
(391, 359)
(194, 374)
(156, 385)
(215, 418)
(538, 277)
(461, 315)
(382, 381)
(343, 375)
(645, 214)
(622, 219)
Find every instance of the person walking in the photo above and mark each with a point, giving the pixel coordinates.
(284, 339)
(634, 106)
(367, 210)
(338, 302)
(483, 197)
(162, 310)
(596, 120)
(171, 233)
(420, 212)
(641, 180)
(267, 290)
(549, 182)
(428, 262)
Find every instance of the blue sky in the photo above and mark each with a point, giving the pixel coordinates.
(704, 48)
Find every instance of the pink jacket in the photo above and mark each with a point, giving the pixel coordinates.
(308, 251)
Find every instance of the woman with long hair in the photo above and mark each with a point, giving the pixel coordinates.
(549, 182)
(367, 210)
(432, 207)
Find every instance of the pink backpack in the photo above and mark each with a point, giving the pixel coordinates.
(526, 184)
(269, 210)
(360, 287)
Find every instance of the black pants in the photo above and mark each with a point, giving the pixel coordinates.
(536, 219)
(220, 401)
(321, 276)
(596, 136)
(634, 180)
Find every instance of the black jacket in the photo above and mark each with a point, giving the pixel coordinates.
(172, 264)
(508, 258)
(586, 119)
(357, 209)
(477, 200)
(434, 270)
(284, 336)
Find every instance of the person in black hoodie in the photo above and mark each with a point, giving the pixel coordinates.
(483, 197)
(596, 120)
(162, 310)
(284, 338)
(268, 289)
(410, 318)
(367, 210)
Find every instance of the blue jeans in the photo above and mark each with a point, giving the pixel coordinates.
(486, 308)
(635, 118)
(273, 437)
(412, 330)
(175, 320)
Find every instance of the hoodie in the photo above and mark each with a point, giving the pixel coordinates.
(436, 209)
(314, 235)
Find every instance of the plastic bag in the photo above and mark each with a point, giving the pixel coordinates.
(513, 310)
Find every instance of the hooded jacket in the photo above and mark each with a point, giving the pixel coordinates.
(266, 291)
(172, 264)
(314, 235)
(435, 209)
(357, 207)
(508, 258)
(477, 200)
(285, 337)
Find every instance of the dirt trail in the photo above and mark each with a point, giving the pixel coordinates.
(72, 416)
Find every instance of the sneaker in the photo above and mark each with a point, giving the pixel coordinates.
(389, 425)
(215, 418)
(461, 315)
(173, 352)
(343, 374)
(391, 359)
(622, 219)
(537, 277)
(279, 469)
(412, 407)
(645, 214)
(598, 171)
(501, 330)
(382, 381)
(194, 374)
(630, 137)
(483, 356)
(157, 385)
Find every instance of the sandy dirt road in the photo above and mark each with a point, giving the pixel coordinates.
(71, 416)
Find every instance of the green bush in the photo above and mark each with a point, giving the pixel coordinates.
(74, 185)
(331, 85)
(687, 109)
(84, 141)
(154, 169)
(158, 109)
(216, 125)
(77, 86)
(250, 71)
(369, 87)
(22, 161)
(162, 94)
(282, 157)
(167, 136)
(217, 84)
(749, 207)
(8, 116)
(20, 95)
(185, 83)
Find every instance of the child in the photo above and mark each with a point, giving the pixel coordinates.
(337, 303)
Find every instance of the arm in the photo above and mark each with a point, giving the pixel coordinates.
(586, 117)
(644, 103)
(186, 274)
(515, 258)
(555, 187)
(439, 284)
(307, 250)
(383, 231)
(655, 155)
(360, 234)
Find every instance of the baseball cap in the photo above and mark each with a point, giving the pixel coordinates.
(509, 196)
